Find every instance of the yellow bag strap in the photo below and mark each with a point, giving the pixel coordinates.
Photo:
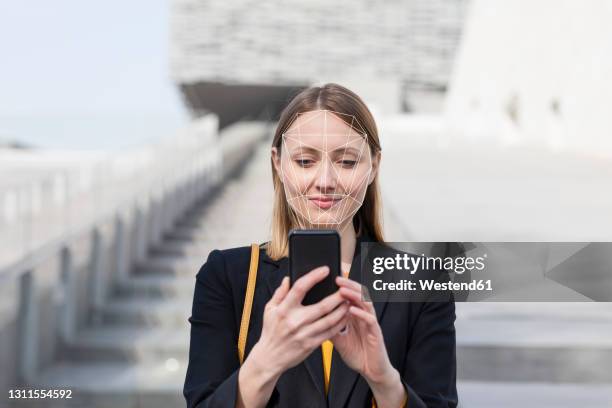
(248, 302)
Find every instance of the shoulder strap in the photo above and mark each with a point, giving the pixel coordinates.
(248, 302)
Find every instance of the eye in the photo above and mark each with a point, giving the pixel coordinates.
(304, 162)
(348, 163)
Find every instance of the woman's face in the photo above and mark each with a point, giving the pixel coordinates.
(325, 166)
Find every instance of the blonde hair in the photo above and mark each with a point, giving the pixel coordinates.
(334, 97)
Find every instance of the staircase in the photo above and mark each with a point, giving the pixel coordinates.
(509, 354)
(540, 355)
(135, 355)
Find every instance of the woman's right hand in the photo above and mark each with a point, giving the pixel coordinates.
(292, 331)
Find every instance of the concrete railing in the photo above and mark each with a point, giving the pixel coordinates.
(52, 207)
(67, 236)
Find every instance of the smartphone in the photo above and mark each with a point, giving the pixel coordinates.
(309, 249)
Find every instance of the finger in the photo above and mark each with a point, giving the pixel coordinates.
(351, 284)
(305, 283)
(331, 332)
(370, 320)
(323, 307)
(280, 292)
(327, 322)
(312, 313)
(348, 283)
(355, 297)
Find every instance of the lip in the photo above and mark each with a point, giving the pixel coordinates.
(324, 202)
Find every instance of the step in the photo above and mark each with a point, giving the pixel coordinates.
(180, 247)
(563, 311)
(474, 394)
(537, 351)
(112, 385)
(534, 342)
(169, 265)
(201, 248)
(156, 286)
(239, 208)
(127, 343)
(208, 234)
(147, 312)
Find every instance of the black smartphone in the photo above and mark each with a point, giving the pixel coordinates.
(309, 249)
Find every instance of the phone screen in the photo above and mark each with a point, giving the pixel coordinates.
(309, 249)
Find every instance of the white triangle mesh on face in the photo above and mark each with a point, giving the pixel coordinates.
(326, 164)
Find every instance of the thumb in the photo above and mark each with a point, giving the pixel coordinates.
(280, 292)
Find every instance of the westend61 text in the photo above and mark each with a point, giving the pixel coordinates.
(427, 285)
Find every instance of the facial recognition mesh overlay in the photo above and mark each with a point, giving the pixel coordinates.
(325, 166)
(487, 271)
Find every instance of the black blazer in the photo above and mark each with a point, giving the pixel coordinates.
(419, 337)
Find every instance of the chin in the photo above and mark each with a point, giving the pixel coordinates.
(327, 222)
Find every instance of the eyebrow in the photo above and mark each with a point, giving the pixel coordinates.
(308, 149)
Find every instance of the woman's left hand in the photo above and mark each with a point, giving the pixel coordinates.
(361, 345)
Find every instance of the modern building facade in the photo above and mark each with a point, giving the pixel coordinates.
(245, 57)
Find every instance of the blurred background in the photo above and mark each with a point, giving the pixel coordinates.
(134, 139)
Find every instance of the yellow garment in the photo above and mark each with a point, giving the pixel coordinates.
(327, 348)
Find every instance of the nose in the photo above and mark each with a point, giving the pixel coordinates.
(327, 179)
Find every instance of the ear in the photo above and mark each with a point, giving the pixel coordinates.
(375, 166)
(276, 162)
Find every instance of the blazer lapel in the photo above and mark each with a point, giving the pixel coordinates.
(276, 274)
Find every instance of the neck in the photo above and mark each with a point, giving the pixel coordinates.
(348, 239)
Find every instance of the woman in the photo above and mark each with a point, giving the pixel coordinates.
(325, 158)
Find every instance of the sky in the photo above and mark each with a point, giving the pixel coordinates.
(86, 74)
